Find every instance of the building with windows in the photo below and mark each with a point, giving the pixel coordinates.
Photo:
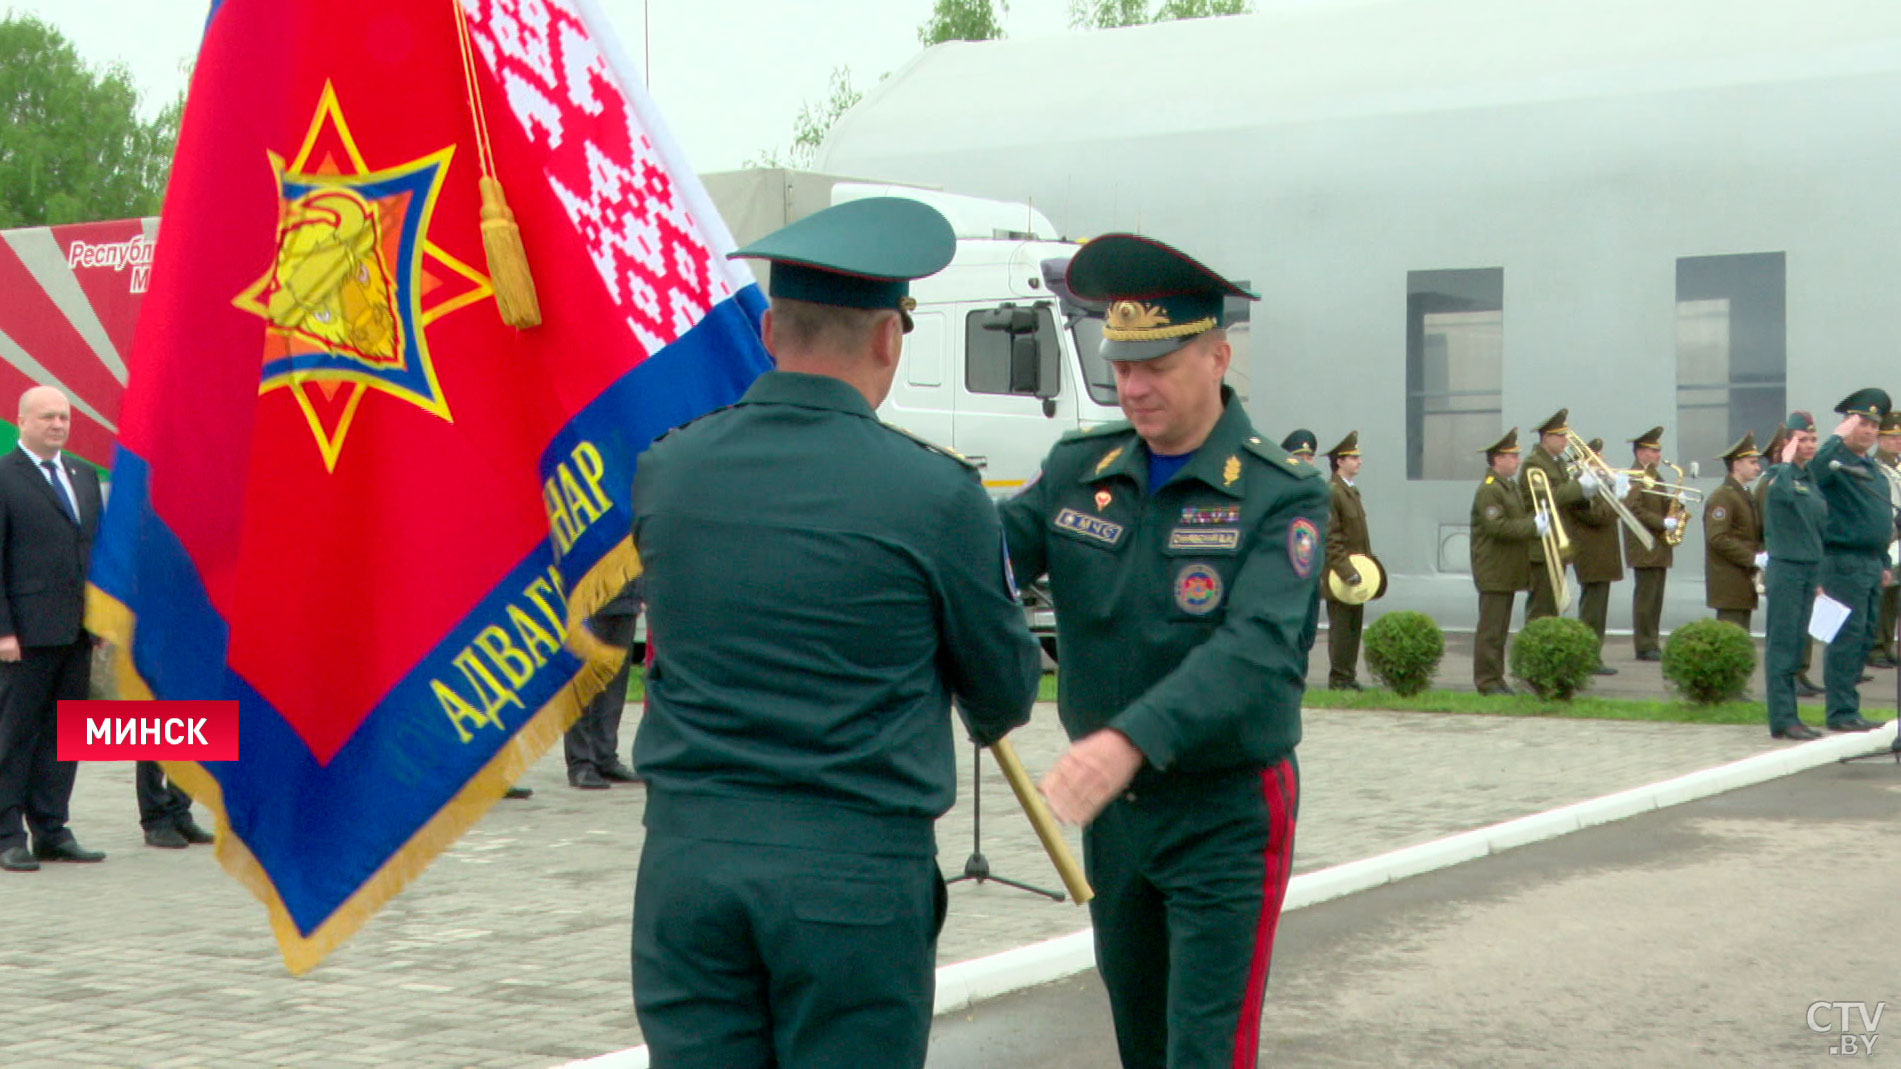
(1466, 214)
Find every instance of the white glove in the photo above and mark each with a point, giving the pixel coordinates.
(1589, 482)
(1621, 486)
(1762, 560)
(1543, 521)
(1669, 523)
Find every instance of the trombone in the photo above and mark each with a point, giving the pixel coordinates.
(1580, 458)
(1557, 544)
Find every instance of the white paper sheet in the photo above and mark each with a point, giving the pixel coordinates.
(1827, 619)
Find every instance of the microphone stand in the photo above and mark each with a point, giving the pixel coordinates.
(976, 866)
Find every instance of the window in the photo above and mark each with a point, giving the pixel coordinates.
(1098, 377)
(987, 353)
(1732, 351)
(1455, 354)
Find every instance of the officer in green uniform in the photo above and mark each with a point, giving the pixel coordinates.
(1888, 455)
(1732, 537)
(1855, 544)
(1503, 529)
(1346, 536)
(1567, 492)
(1184, 556)
(820, 587)
(1650, 566)
(1300, 444)
(1772, 454)
(1792, 517)
(1599, 561)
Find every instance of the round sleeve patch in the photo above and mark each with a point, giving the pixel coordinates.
(1303, 545)
(1719, 513)
(1493, 512)
(1197, 589)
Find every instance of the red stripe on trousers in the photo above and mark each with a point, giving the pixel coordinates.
(1279, 789)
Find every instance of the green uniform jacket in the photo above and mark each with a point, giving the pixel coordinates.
(1732, 535)
(1859, 515)
(820, 586)
(1793, 514)
(1502, 532)
(1566, 491)
(1183, 617)
(1346, 530)
(1650, 510)
(1600, 555)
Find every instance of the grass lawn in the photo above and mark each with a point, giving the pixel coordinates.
(1453, 701)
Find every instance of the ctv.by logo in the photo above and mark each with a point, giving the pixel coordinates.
(1825, 1017)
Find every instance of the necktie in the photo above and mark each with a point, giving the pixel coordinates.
(59, 491)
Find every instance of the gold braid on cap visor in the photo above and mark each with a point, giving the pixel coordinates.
(1132, 321)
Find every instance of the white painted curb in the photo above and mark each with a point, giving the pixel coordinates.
(968, 982)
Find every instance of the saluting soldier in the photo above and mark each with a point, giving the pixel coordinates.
(1855, 543)
(1300, 444)
(1732, 537)
(1503, 530)
(1772, 455)
(1792, 518)
(1567, 492)
(1346, 536)
(1888, 455)
(1651, 566)
(1184, 557)
(1599, 561)
(820, 587)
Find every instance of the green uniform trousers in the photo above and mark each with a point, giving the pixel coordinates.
(1852, 577)
(1594, 608)
(1790, 589)
(1343, 642)
(1189, 877)
(1543, 601)
(1488, 643)
(1739, 617)
(1646, 609)
(752, 955)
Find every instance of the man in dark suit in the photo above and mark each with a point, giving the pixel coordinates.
(49, 512)
(165, 810)
(593, 744)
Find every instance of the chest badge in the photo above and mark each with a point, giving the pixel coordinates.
(1094, 528)
(1197, 589)
(1231, 471)
(1108, 459)
(1217, 514)
(1103, 499)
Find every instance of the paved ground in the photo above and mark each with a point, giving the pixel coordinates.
(512, 949)
(1697, 935)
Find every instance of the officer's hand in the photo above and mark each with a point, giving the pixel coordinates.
(1762, 561)
(1669, 523)
(1788, 450)
(1621, 486)
(1350, 578)
(1589, 482)
(1849, 424)
(1887, 577)
(10, 648)
(1093, 771)
(1543, 520)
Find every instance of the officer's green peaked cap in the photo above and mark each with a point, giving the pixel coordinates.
(1871, 402)
(1300, 440)
(859, 254)
(1158, 296)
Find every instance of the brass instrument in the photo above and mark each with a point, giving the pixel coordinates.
(1677, 508)
(1557, 544)
(1579, 458)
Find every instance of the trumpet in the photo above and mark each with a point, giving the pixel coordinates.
(1557, 544)
(1580, 458)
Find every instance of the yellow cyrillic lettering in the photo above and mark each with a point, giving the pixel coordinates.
(516, 665)
(588, 459)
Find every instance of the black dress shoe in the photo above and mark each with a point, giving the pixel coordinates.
(1604, 670)
(68, 850)
(1805, 688)
(1880, 660)
(165, 838)
(18, 859)
(1855, 723)
(192, 833)
(1650, 655)
(519, 792)
(586, 778)
(619, 773)
(1799, 732)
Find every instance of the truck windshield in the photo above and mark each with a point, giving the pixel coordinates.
(1098, 377)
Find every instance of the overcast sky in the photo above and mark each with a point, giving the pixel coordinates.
(729, 75)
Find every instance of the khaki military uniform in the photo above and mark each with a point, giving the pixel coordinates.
(1649, 565)
(1732, 536)
(1599, 560)
(1346, 535)
(1568, 493)
(1503, 531)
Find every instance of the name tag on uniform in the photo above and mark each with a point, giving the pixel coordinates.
(1091, 527)
(1205, 538)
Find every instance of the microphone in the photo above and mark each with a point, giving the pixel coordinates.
(1850, 469)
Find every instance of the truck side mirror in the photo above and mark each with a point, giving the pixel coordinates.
(1026, 356)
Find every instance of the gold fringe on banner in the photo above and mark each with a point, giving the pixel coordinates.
(509, 276)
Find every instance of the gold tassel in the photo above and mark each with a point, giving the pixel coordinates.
(507, 260)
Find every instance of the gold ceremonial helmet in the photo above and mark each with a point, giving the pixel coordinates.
(1372, 584)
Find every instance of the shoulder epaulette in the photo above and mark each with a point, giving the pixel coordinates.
(1279, 459)
(1100, 430)
(1490, 479)
(930, 445)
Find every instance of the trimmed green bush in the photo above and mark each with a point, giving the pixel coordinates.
(1403, 650)
(1555, 657)
(1709, 661)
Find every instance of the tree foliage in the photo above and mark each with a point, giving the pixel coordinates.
(814, 122)
(1108, 14)
(72, 145)
(963, 20)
